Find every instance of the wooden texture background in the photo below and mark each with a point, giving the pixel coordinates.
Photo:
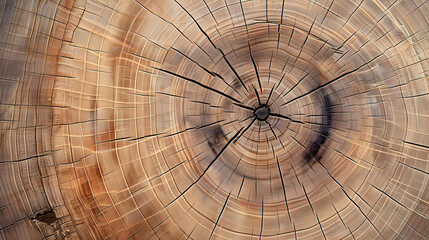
(134, 119)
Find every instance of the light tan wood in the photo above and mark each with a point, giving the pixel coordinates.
(141, 119)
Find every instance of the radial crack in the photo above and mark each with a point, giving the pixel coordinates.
(199, 84)
(220, 215)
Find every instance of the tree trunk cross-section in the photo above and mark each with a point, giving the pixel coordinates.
(214, 119)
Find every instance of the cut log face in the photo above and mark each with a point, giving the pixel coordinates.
(221, 119)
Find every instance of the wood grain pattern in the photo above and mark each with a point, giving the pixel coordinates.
(214, 119)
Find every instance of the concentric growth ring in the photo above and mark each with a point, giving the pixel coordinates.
(235, 120)
(214, 119)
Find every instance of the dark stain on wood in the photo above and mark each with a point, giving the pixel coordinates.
(323, 132)
(217, 136)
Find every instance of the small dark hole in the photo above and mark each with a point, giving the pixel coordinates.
(47, 217)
